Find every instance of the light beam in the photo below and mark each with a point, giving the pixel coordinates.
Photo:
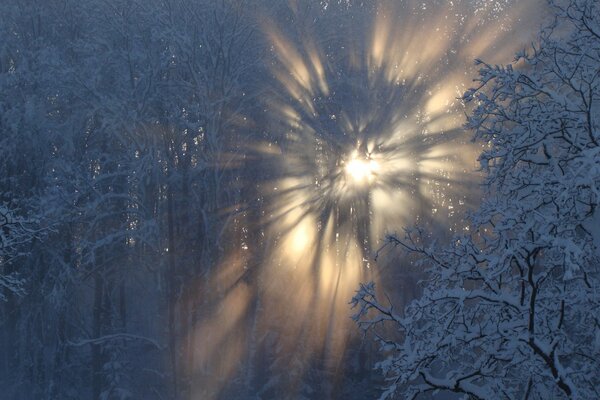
(389, 80)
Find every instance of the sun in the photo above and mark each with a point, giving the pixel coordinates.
(361, 170)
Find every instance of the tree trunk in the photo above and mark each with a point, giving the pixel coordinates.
(98, 317)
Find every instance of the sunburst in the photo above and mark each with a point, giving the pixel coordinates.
(364, 138)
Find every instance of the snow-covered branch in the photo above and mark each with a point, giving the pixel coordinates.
(509, 311)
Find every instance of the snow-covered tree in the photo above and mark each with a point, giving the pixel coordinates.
(119, 131)
(512, 308)
(16, 232)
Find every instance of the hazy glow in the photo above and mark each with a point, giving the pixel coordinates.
(369, 139)
(364, 138)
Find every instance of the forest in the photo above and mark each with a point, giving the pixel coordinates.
(299, 199)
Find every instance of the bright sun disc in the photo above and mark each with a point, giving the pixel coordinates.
(361, 170)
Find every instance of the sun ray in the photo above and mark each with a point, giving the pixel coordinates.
(364, 138)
